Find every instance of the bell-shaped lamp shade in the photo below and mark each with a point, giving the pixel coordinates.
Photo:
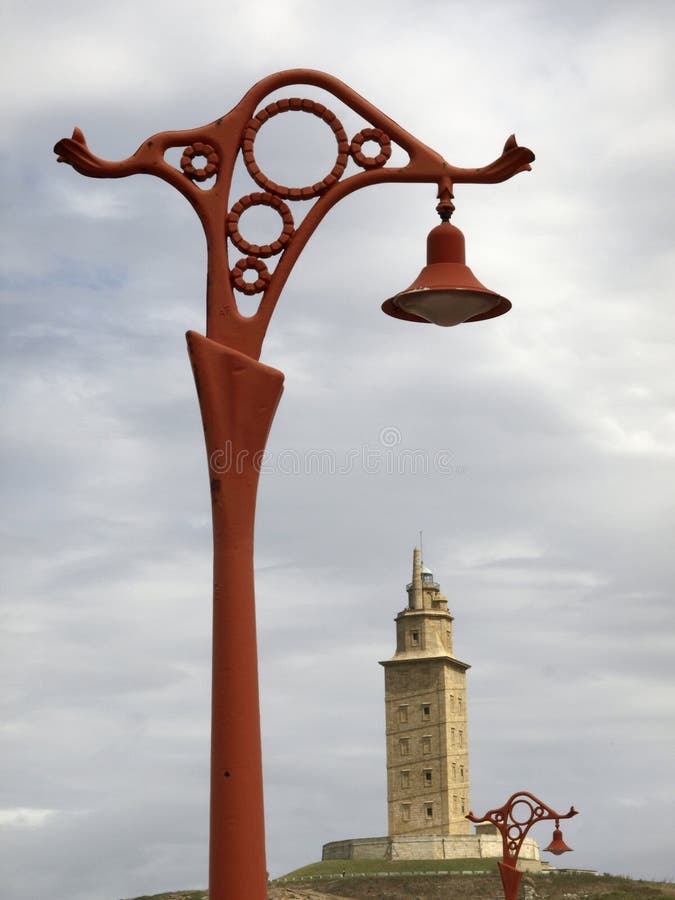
(557, 845)
(446, 292)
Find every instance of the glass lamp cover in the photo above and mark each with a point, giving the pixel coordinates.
(446, 307)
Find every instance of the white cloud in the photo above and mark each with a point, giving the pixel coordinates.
(22, 817)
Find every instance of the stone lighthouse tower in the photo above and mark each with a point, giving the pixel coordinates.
(427, 747)
(426, 720)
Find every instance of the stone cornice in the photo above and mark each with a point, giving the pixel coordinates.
(417, 657)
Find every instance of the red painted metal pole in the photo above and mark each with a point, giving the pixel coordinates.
(510, 879)
(238, 398)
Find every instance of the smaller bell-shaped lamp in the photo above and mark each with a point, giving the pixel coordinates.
(557, 845)
(446, 292)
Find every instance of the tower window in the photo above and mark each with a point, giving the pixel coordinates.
(459, 704)
(405, 778)
(454, 803)
(426, 712)
(427, 777)
(404, 747)
(429, 810)
(461, 772)
(454, 772)
(405, 812)
(452, 736)
(461, 739)
(415, 638)
(426, 744)
(403, 714)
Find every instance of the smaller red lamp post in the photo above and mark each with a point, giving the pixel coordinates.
(513, 820)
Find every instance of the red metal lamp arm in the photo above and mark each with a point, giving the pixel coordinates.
(423, 160)
(216, 146)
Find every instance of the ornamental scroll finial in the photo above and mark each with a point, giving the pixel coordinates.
(204, 177)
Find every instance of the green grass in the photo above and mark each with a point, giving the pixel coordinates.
(557, 887)
(632, 890)
(175, 895)
(372, 866)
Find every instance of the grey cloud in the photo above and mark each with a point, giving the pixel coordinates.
(549, 533)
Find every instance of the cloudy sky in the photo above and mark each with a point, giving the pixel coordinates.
(548, 435)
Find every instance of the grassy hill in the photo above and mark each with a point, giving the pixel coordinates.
(352, 867)
(440, 880)
(462, 879)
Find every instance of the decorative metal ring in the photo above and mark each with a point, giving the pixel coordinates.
(370, 134)
(232, 223)
(517, 811)
(250, 287)
(295, 104)
(199, 149)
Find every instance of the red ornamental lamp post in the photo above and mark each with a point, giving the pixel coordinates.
(513, 820)
(238, 395)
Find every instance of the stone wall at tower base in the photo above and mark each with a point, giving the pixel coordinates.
(431, 846)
